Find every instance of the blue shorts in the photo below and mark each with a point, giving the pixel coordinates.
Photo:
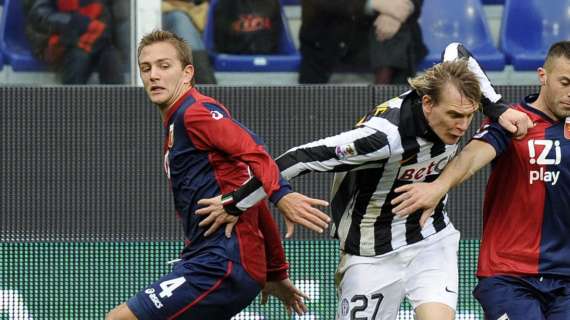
(203, 287)
(524, 298)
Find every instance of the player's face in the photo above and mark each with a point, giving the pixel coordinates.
(451, 116)
(162, 73)
(556, 87)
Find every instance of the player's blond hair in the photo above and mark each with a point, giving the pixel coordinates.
(455, 72)
(183, 50)
(557, 50)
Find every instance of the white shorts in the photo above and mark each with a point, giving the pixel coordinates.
(374, 287)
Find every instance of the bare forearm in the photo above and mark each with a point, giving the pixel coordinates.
(470, 160)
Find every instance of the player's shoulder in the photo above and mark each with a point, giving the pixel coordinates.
(384, 115)
(205, 106)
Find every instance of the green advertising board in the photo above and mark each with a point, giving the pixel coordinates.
(57, 280)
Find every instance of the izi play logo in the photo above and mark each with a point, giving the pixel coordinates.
(541, 158)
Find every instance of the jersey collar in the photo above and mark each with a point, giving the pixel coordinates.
(413, 121)
(190, 92)
(526, 103)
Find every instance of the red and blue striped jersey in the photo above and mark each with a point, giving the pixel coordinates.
(207, 153)
(526, 222)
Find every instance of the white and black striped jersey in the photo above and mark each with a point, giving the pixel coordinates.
(392, 146)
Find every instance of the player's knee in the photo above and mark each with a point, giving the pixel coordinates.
(121, 312)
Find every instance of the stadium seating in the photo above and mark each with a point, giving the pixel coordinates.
(287, 58)
(13, 42)
(444, 21)
(529, 28)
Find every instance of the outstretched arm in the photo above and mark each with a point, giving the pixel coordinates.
(296, 208)
(350, 150)
(426, 196)
(515, 122)
(211, 128)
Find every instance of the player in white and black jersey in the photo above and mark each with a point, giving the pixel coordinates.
(405, 140)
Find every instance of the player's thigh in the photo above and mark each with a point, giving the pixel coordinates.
(560, 310)
(434, 311)
(206, 286)
(432, 277)
(507, 297)
(559, 306)
(370, 291)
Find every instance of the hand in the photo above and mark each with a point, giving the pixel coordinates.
(386, 26)
(216, 216)
(398, 9)
(298, 209)
(284, 290)
(417, 196)
(516, 122)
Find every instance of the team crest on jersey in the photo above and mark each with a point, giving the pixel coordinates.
(171, 136)
(567, 128)
(345, 151)
(216, 115)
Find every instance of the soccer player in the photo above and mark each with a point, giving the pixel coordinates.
(524, 259)
(206, 153)
(407, 139)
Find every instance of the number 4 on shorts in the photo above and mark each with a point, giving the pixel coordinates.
(170, 285)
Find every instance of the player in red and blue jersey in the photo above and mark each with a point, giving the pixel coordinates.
(207, 153)
(524, 259)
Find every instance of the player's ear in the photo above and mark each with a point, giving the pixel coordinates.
(427, 103)
(188, 73)
(541, 72)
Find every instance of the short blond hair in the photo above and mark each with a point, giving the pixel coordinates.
(183, 50)
(455, 72)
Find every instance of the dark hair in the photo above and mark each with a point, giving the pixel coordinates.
(557, 50)
(183, 50)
